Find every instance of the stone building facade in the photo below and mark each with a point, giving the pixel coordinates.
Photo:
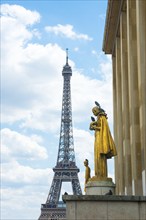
(125, 40)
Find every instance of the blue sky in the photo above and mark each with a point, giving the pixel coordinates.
(34, 37)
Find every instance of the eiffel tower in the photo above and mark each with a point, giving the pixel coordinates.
(65, 169)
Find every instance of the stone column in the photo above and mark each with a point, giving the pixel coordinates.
(125, 105)
(115, 121)
(119, 117)
(134, 98)
(141, 51)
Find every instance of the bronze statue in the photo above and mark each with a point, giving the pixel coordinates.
(87, 171)
(104, 147)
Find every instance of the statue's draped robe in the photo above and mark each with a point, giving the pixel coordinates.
(87, 176)
(104, 146)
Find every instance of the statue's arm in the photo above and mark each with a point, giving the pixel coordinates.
(95, 125)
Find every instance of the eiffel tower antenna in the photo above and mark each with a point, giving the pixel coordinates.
(65, 169)
(66, 56)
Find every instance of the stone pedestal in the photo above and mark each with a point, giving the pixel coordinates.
(100, 186)
(88, 207)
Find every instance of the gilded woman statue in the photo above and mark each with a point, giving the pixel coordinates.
(104, 147)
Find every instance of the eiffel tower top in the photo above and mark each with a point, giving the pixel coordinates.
(66, 155)
(66, 56)
(67, 69)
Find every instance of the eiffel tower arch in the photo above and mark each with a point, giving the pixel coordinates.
(65, 169)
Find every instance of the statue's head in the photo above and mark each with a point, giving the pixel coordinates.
(86, 162)
(96, 110)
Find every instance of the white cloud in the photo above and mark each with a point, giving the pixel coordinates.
(94, 52)
(67, 31)
(102, 16)
(76, 49)
(106, 68)
(23, 202)
(86, 91)
(29, 72)
(19, 13)
(84, 145)
(14, 173)
(29, 78)
(18, 145)
(16, 31)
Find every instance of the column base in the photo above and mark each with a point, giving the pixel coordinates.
(100, 186)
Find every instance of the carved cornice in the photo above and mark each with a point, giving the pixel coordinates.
(111, 24)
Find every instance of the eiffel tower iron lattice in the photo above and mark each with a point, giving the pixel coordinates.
(65, 169)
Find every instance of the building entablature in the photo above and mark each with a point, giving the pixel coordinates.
(112, 24)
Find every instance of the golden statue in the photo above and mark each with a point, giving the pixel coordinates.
(87, 172)
(104, 147)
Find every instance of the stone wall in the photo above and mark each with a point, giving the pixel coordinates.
(107, 207)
